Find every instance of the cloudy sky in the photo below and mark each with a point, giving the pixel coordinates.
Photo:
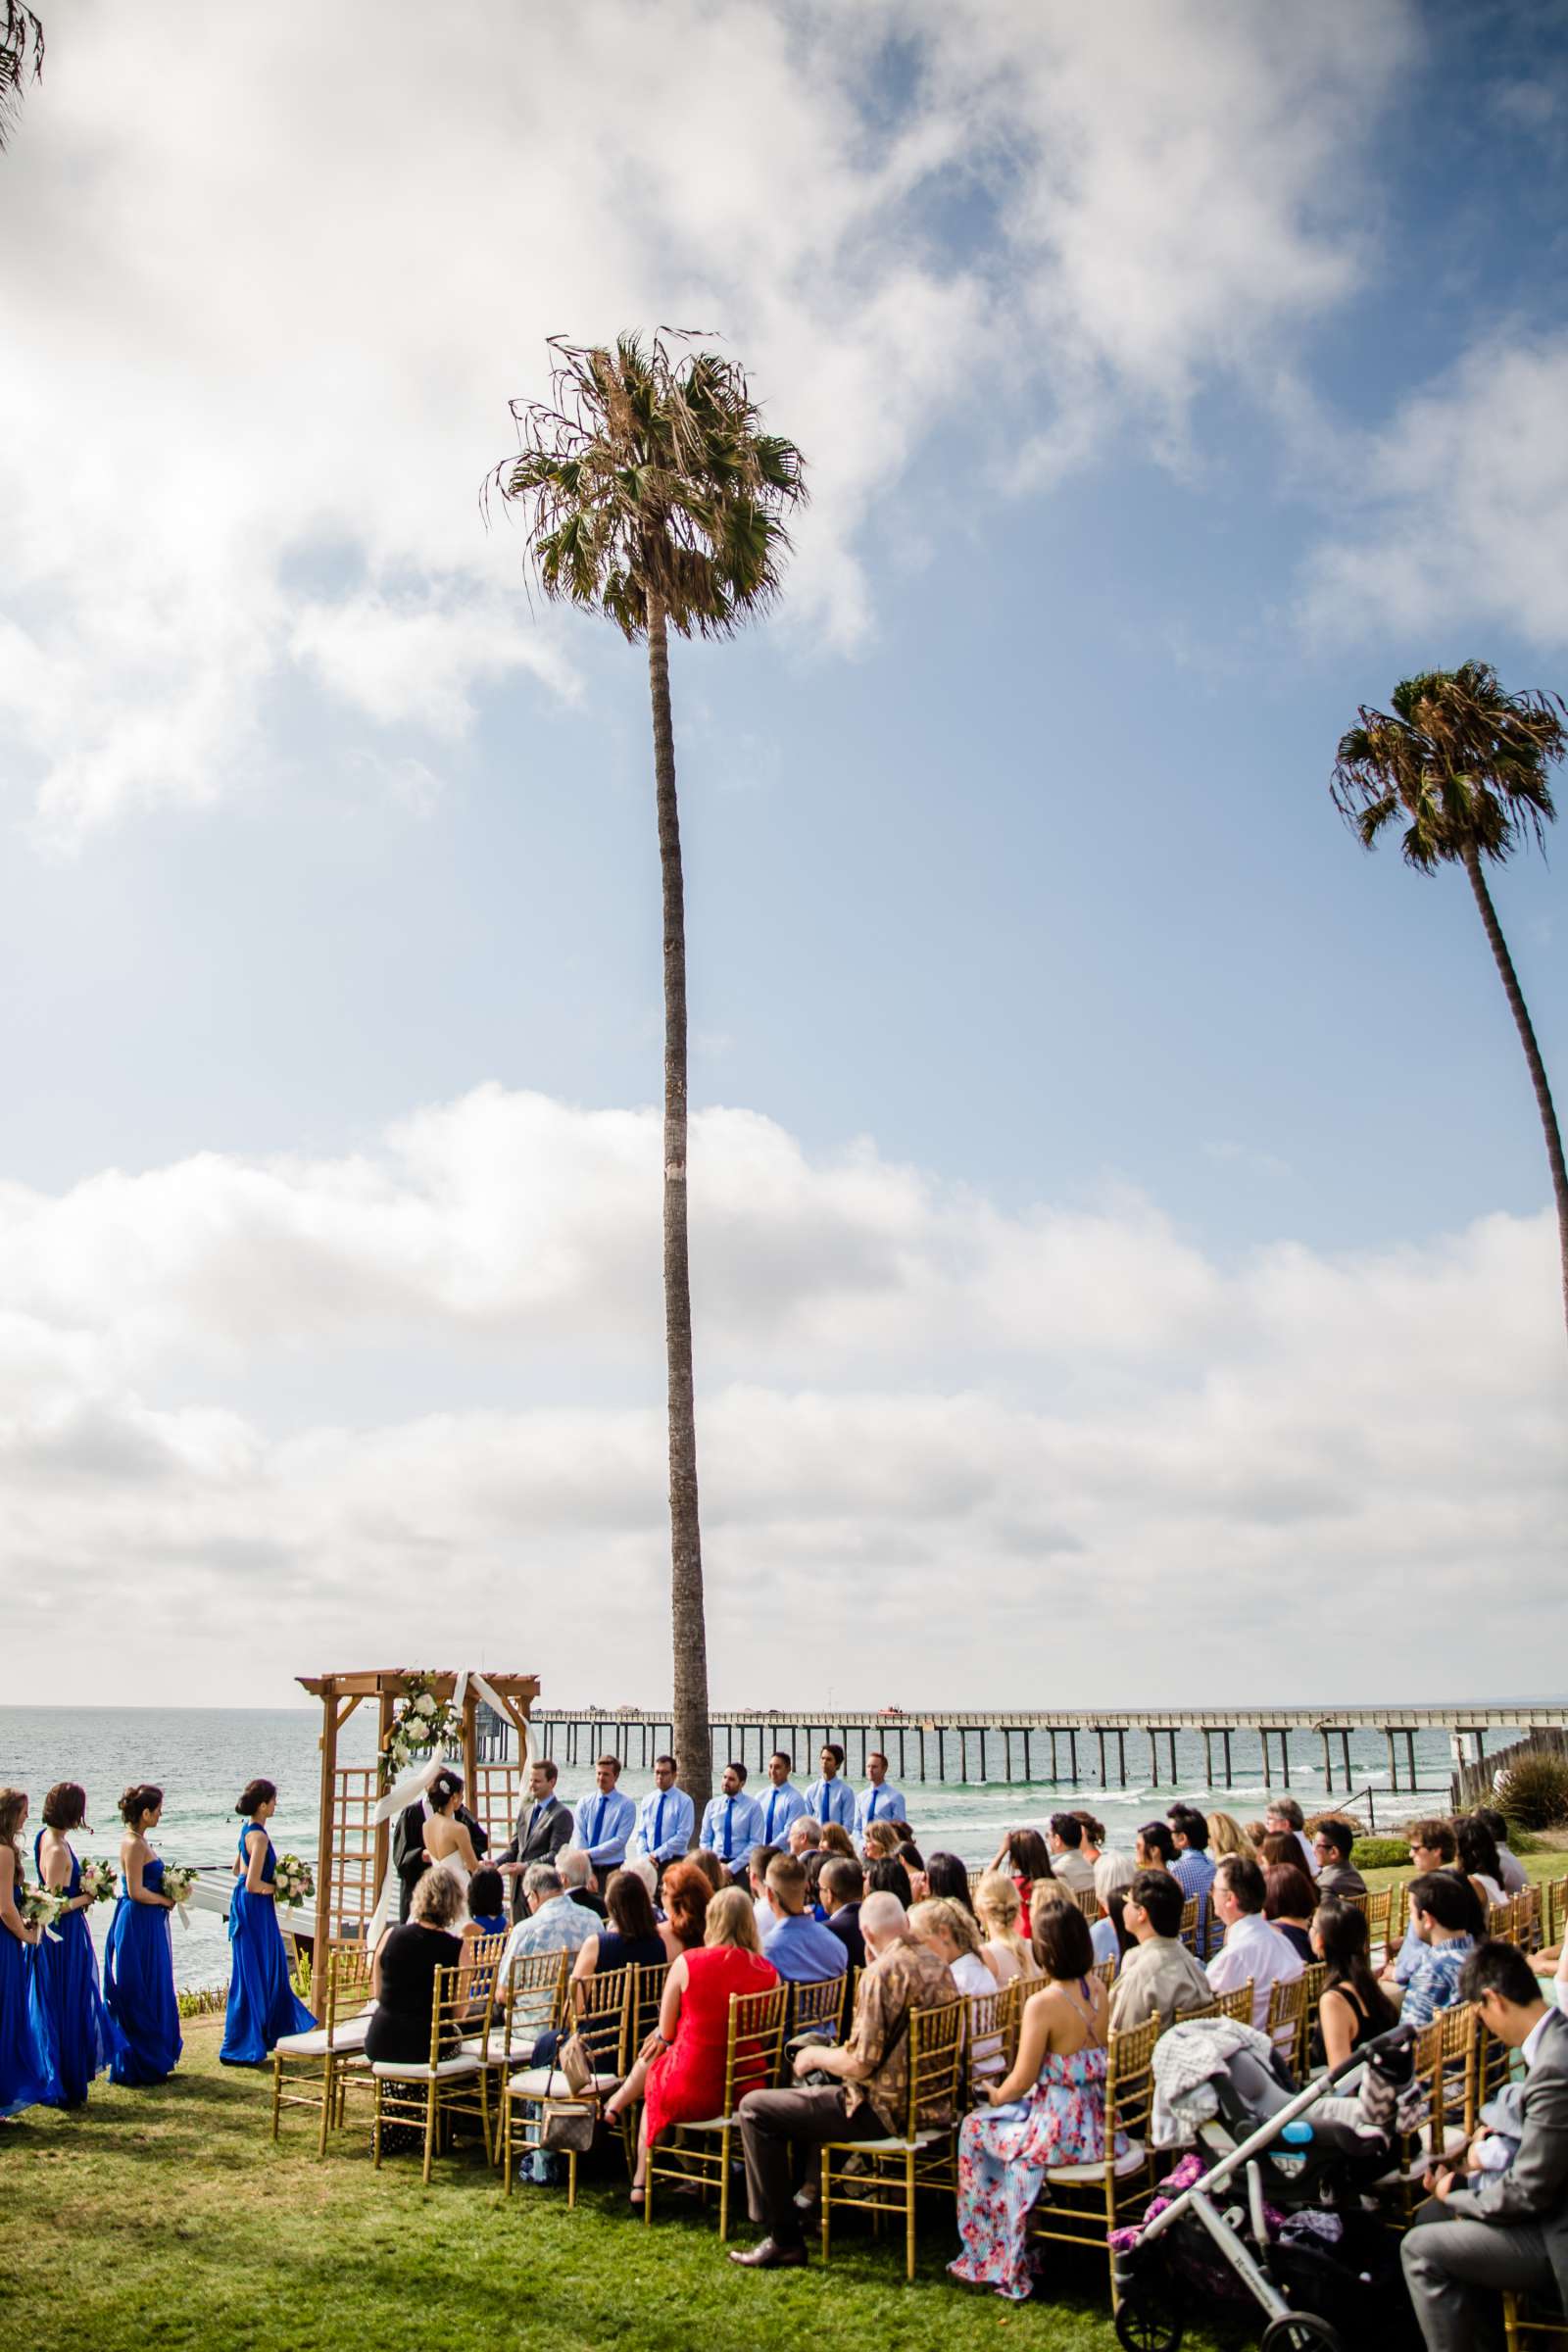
(1121, 1250)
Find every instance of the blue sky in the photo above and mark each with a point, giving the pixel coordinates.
(1171, 385)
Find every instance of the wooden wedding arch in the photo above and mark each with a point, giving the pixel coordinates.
(352, 1846)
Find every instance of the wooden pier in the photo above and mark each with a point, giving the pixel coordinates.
(1109, 1748)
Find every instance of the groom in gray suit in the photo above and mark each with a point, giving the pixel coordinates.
(1488, 2230)
(543, 1828)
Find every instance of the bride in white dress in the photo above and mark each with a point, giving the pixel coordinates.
(446, 1839)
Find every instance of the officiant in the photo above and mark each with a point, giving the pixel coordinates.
(543, 1826)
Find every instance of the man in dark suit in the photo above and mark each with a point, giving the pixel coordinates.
(407, 1837)
(1490, 2230)
(843, 1883)
(544, 1827)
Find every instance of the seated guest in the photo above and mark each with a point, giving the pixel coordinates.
(1288, 1906)
(999, 1910)
(732, 1821)
(1442, 1914)
(1064, 1843)
(802, 1951)
(843, 1887)
(813, 1864)
(914, 1868)
(882, 1839)
(1193, 1870)
(1333, 1842)
(1094, 1836)
(404, 1972)
(1433, 1847)
(1049, 1895)
(1025, 1855)
(1158, 1976)
(1254, 1831)
(687, 1891)
(665, 1817)
(879, 1800)
(805, 1836)
(1283, 1813)
(1515, 1876)
(1226, 1835)
(1153, 1847)
(1488, 2230)
(1055, 2096)
(712, 1868)
(887, 1876)
(1277, 1849)
(487, 1902)
(1479, 1858)
(830, 1799)
(757, 1885)
(836, 1840)
(1354, 2007)
(577, 1874)
(1250, 1949)
(550, 1922)
(630, 1938)
(679, 2072)
(954, 1934)
(946, 1876)
(1114, 1873)
(780, 1803)
(868, 2100)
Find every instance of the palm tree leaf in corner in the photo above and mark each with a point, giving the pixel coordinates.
(1465, 765)
(21, 58)
(654, 497)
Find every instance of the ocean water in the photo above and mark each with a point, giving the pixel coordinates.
(202, 1758)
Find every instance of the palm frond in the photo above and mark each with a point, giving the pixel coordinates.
(1463, 760)
(21, 61)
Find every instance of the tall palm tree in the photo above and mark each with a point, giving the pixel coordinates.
(1464, 765)
(20, 52)
(655, 498)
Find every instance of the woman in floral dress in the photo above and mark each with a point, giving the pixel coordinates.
(1050, 2110)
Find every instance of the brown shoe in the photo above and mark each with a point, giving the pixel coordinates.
(770, 2255)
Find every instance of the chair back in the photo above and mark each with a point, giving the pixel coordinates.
(1130, 2082)
(754, 2053)
(1105, 1971)
(987, 2053)
(484, 1958)
(1356, 1902)
(936, 2066)
(1378, 1906)
(450, 2019)
(816, 2006)
(532, 1995)
(349, 1968)
(1088, 1902)
(645, 1998)
(1237, 2004)
(604, 2016)
(1554, 1920)
(1286, 2006)
(1188, 1926)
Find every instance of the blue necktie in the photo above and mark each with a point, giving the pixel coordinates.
(771, 1802)
(598, 1822)
(729, 1826)
(658, 1822)
(875, 1793)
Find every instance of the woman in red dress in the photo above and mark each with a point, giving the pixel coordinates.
(679, 2074)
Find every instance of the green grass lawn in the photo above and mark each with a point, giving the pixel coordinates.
(166, 2216)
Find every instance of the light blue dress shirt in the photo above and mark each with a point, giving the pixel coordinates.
(884, 1803)
(604, 1823)
(778, 1807)
(664, 1821)
(732, 1826)
(803, 1952)
(832, 1801)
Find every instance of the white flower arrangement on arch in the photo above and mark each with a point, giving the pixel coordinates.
(421, 1723)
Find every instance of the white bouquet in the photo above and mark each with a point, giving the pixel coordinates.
(178, 1880)
(41, 1908)
(100, 1882)
(293, 1880)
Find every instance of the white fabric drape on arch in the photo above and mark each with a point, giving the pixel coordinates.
(413, 1784)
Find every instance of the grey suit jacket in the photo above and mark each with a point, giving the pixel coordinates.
(551, 1830)
(1535, 2187)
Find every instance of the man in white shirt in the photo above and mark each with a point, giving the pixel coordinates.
(733, 1821)
(880, 1802)
(1251, 1947)
(781, 1802)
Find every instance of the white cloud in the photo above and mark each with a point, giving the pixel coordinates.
(1465, 507)
(906, 1392)
(275, 305)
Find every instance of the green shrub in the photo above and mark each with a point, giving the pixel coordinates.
(1379, 1853)
(1534, 1791)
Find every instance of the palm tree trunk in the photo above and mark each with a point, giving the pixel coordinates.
(689, 1706)
(1526, 1038)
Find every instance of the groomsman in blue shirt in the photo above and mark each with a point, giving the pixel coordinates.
(782, 1804)
(733, 1822)
(881, 1801)
(606, 1821)
(830, 1797)
(664, 1819)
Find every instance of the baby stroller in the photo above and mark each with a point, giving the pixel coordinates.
(1296, 2238)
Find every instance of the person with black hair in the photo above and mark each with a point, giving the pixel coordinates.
(1064, 1840)
(1515, 1876)
(66, 1995)
(1193, 1870)
(1485, 2232)
(1333, 1842)
(139, 1956)
(1479, 1859)
(1160, 1976)
(410, 1861)
(947, 1876)
(1443, 1911)
(487, 1896)
(1354, 2007)
(262, 2003)
(1153, 1847)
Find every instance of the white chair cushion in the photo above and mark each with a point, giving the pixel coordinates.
(549, 2083)
(346, 2036)
(447, 2072)
(496, 2053)
(1064, 2175)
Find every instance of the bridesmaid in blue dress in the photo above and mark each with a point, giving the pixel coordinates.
(78, 2031)
(140, 1964)
(261, 2007)
(24, 2059)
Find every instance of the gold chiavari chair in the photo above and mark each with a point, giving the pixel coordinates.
(754, 2060)
(816, 2006)
(317, 2059)
(1356, 1902)
(1311, 1994)
(1520, 2319)
(452, 2082)
(603, 2003)
(1088, 1902)
(1503, 1923)
(1378, 1906)
(1105, 1971)
(1189, 1926)
(1235, 2004)
(1287, 2010)
(1088, 2202)
(527, 2001)
(992, 2023)
(1556, 1910)
(887, 2173)
(1446, 2074)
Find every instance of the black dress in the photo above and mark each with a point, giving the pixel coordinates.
(399, 2031)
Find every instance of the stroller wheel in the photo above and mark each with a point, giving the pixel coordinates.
(1145, 2323)
(1302, 2332)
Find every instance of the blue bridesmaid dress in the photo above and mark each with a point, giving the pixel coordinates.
(261, 2007)
(23, 2055)
(140, 1986)
(73, 2024)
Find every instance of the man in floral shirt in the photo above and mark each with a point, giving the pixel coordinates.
(1440, 1907)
